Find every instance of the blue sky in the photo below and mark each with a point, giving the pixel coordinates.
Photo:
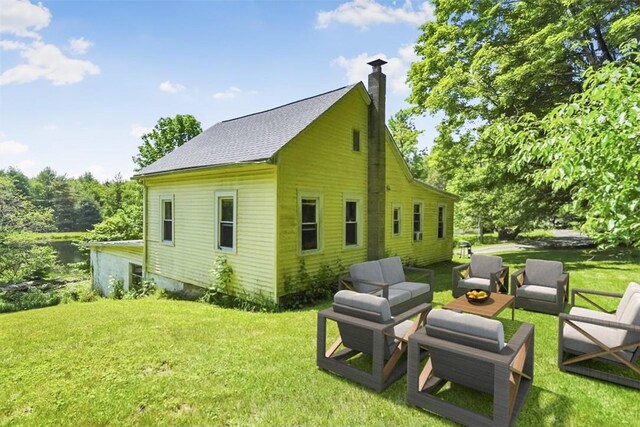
(81, 80)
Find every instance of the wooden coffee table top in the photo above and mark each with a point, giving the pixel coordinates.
(490, 308)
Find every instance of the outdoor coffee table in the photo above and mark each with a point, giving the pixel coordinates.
(490, 308)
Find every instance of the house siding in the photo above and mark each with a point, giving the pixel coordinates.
(403, 191)
(113, 262)
(321, 161)
(190, 257)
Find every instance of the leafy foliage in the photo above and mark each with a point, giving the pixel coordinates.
(590, 145)
(125, 224)
(406, 136)
(483, 61)
(168, 134)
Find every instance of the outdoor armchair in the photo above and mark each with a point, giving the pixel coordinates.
(469, 350)
(366, 327)
(605, 336)
(484, 272)
(541, 286)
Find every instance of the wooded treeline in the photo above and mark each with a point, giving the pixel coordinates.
(76, 204)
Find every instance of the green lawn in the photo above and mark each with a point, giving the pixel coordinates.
(165, 362)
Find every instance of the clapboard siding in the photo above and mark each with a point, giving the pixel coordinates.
(321, 161)
(403, 192)
(190, 258)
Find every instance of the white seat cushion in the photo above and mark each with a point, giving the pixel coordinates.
(468, 324)
(632, 288)
(364, 302)
(368, 271)
(542, 293)
(542, 273)
(392, 271)
(475, 283)
(592, 314)
(577, 343)
(396, 296)
(416, 289)
(630, 316)
(484, 265)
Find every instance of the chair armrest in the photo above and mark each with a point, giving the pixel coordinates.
(428, 272)
(356, 321)
(344, 279)
(422, 308)
(502, 273)
(615, 325)
(459, 269)
(515, 283)
(591, 292)
(562, 286)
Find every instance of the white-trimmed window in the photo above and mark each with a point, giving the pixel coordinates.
(417, 221)
(167, 226)
(441, 212)
(309, 223)
(352, 221)
(226, 220)
(397, 220)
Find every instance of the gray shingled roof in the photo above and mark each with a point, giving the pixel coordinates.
(252, 138)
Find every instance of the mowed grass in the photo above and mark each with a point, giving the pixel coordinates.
(165, 362)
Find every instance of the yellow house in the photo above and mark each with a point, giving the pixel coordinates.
(319, 180)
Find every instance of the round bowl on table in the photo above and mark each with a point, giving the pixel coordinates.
(477, 300)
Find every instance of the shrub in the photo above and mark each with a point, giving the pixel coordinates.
(117, 288)
(26, 300)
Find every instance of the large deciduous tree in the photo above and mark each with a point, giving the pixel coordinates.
(167, 134)
(590, 145)
(483, 61)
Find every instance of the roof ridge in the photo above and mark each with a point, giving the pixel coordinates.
(288, 104)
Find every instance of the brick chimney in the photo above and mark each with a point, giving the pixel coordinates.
(377, 182)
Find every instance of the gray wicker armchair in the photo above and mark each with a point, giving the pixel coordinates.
(469, 350)
(541, 286)
(366, 326)
(605, 336)
(483, 272)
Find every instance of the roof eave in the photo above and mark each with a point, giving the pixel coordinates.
(195, 168)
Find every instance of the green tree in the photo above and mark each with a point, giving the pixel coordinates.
(483, 61)
(125, 224)
(168, 134)
(590, 145)
(406, 135)
(20, 258)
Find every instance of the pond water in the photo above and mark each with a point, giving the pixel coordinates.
(68, 252)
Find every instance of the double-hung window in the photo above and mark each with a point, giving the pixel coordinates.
(166, 205)
(417, 222)
(351, 223)
(440, 222)
(309, 224)
(226, 220)
(396, 220)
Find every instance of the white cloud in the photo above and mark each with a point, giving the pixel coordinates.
(362, 13)
(138, 131)
(28, 167)
(169, 87)
(12, 147)
(232, 93)
(79, 46)
(357, 69)
(23, 18)
(46, 61)
(12, 45)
